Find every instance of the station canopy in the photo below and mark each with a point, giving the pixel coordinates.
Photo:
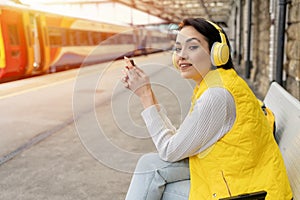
(176, 10)
(170, 11)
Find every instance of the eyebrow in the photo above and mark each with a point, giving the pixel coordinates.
(190, 39)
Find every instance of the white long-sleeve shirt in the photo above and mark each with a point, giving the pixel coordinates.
(212, 117)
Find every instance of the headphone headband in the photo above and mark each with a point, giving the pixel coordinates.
(220, 50)
(223, 38)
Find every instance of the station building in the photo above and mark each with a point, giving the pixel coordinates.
(272, 50)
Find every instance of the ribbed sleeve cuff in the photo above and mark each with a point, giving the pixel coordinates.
(152, 112)
(153, 119)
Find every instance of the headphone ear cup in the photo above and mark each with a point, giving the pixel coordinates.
(174, 61)
(219, 54)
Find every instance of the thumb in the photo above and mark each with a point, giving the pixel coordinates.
(129, 63)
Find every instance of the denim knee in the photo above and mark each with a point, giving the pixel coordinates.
(150, 162)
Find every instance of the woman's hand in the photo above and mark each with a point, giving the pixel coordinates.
(138, 82)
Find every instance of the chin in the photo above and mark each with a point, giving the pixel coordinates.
(186, 75)
(191, 76)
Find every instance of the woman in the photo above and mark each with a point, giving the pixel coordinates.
(225, 138)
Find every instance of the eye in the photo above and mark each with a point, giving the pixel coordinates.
(193, 47)
(177, 49)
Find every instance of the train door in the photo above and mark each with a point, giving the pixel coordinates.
(14, 42)
(34, 44)
(44, 45)
(2, 50)
(29, 43)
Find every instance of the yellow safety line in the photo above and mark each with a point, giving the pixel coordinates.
(47, 85)
(34, 89)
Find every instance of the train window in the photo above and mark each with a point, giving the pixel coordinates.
(71, 38)
(112, 34)
(79, 38)
(104, 38)
(127, 39)
(64, 37)
(13, 34)
(90, 38)
(96, 37)
(130, 39)
(83, 38)
(111, 38)
(55, 36)
(121, 38)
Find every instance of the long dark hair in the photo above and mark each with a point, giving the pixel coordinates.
(210, 33)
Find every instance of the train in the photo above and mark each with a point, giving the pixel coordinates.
(34, 42)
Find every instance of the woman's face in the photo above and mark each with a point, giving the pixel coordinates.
(192, 54)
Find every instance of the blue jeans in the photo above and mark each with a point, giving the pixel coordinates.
(155, 179)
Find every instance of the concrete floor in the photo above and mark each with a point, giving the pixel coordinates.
(78, 134)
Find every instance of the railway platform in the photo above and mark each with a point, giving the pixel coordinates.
(78, 134)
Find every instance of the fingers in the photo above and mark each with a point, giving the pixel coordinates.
(135, 72)
(128, 63)
(128, 76)
(124, 80)
(133, 77)
(126, 84)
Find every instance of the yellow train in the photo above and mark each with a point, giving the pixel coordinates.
(36, 42)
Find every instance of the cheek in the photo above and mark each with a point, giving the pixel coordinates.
(202, 61)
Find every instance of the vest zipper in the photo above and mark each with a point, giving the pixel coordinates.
(224, 179)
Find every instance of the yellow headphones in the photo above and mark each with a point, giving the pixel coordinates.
(219, 53)
(174, 61)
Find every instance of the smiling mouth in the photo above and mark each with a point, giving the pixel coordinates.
(185, 65)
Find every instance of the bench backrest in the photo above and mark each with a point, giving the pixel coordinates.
(286, 109)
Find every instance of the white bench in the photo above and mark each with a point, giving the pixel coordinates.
(286, 109)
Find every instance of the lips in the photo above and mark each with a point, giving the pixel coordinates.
(184, 65)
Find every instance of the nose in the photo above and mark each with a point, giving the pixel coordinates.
(182, 55)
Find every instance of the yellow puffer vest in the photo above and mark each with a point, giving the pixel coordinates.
(247, 159)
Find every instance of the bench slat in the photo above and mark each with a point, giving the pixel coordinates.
(286, 109)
